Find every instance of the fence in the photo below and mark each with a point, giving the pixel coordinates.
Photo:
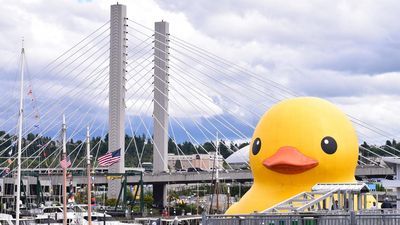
(342, 218)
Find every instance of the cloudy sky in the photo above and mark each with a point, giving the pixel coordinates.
(345, 51)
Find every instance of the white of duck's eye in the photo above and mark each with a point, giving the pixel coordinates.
(256, 146)
(329, 145)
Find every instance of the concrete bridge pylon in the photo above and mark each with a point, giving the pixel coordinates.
(117, 70)
(160, 113)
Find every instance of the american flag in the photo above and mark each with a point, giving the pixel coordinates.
(110, 158)
(65, 163)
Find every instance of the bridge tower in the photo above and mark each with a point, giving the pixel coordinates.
(116, 120)
(160, 113)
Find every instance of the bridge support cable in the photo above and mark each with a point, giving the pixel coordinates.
(394, 149)
(387, 152)
(135, 146)
(206, 97)
(370, 151)
(198, 125)
(43, 85)
(235, 130)
(151, 139)
(356, 122)
(79, 53)
(140, 109)
(137, 128)
(360, 161)
(75, 131)
(54, 67)
(368, 159)
(196, 97)
(231, 126)
(54, 105)
(102, 104)
(87, 67)
(141, 106)
(148, 131)
(157, 58)
(240, 136)
(9, 106)
(49, 127)
(228, 147)
(229, 71)
(92, 148)
(10, 95)
(255, 86)
(179, 70)
(94, 33)
(178, 149)
(381, 148)
(90, 124)
(165, 130)
(141, 122)
(216, 67)
(231, 88)
(27, 158)
(244, 70)
(191, 138)
(201, 55)
(213, 58)
(102, 137)
(177, 78)
(155, 149)
(370, 127)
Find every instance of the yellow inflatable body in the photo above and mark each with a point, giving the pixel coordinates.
(298, 143)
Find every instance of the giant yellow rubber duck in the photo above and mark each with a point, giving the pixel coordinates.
(298, 143)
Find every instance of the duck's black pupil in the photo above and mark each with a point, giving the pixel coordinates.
(329, 145)
(256, 146)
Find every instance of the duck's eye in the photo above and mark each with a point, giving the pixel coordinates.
(329, 145)
(256, 146)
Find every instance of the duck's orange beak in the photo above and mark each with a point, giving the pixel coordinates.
(289, 160)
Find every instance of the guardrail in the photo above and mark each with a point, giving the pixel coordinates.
(373, 217)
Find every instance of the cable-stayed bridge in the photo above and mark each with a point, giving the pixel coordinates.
(125, 78)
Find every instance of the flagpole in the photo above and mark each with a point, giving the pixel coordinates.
(64, 133)
(20, 121)
(89, 183)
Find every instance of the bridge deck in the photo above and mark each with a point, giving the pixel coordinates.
(191, 177)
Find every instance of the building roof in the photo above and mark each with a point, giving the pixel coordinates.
(353, 187)
(240, 156)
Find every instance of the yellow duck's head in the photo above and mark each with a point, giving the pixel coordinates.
(304, 140)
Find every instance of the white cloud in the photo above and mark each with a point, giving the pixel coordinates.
(346, 51)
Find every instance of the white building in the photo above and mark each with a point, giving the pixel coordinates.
(240, 158)
(204, 162)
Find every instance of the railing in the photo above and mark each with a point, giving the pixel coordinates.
(375, 217)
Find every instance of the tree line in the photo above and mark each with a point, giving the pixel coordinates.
(45, 152)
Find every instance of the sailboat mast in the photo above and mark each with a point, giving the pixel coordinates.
(20, 121)
(89, 182)
(217, 173)
(216, 158)
(64, 155)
